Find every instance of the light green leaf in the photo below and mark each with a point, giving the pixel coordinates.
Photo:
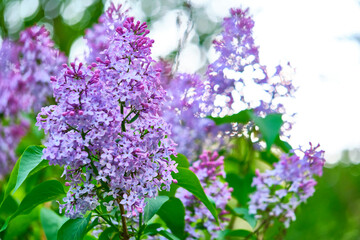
(29, 160)
(51, 223)
(153, 205)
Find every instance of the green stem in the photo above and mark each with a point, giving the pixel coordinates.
(105, 219)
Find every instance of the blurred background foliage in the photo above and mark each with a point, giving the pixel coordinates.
(332, 213)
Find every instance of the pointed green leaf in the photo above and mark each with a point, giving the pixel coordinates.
(181, 160)
(29, 160)
(172, 213)
(44, 192)
(74, 229)
(188, 180)
(269, 127)
(240, 117)
(153, 205)
(244, 213)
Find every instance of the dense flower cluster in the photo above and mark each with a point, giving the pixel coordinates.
(237, 74)
(210, 171)
(105, 129)
(185, 110)
(291, 182)
(26, 67)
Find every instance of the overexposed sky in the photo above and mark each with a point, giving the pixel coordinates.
(316, 37)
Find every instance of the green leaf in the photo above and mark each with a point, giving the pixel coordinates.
(12, 181)
(74, 229)
(44, 192)
(181, 160)
(51, 223)
(244, 213)
(168, 235)
(29, 160)
(108, 233)
(269, 127)
(9, 207)
(153, 205)
(242, 117)
(269, 157)
(188, 180)
(241, 186)
(285, 146)
(238, 233)
(172, 213)
(151, 229)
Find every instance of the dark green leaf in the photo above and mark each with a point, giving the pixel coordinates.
(188, 180)
(269, 127)
(168, 235)
(151, 229)
(241, 117)
(286, 147)
(238, 233)
(108, 233)
(9, 207)
(51, 223)
(12, 181)
(29, 160)
(269, 157)
(181, 160)
(44, 192)
(152, 206)
(241, 187)
(74, 229)
(172, 213)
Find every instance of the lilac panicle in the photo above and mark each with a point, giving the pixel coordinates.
(186, 109)
(290, 183)
(238, 69)
(210, 171)
(26, 67)
(97, 37)
(105, 129)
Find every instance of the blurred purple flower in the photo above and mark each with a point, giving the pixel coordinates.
(281, 190)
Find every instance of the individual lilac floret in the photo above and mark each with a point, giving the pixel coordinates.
(210, 171)
(238, 78)
(105, 129)
(97, 37)
(290, 183)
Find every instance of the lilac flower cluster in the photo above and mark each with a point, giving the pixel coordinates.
(290, 183)
(26, 67)
(187, 105)
(238, 72)
(210, 171)
(97, 38)
(105, 129)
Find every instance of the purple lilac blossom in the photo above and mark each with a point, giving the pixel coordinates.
(185, 110)
(238, 70)
(26, 67)
(97, 37)
(105, 129)
(281, 190)
(210, 171)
